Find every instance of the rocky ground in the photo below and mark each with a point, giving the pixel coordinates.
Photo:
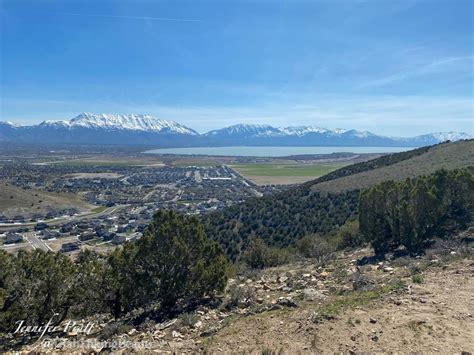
(423, 304)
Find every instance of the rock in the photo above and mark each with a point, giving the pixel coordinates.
(453, 253)
(197, 325)
(372, 320)
(375, 338)
(132, 331)
(286, 302)
(422, 300)
(306, 276)
(208, 332)
(176, 334)
(310, 294)
(260, 300)
(388, 269)
(282, 278)
(352, 270)
(324, 274)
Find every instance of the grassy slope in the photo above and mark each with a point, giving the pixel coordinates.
(275, 173)
(448, 156)
(14, 200)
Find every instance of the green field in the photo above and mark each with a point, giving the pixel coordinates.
(272, 173)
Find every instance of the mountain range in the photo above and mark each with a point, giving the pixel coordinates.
(148, 130)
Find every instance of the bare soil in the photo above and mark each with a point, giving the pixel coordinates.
(435, 316)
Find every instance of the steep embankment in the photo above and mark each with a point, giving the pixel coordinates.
(322, 205)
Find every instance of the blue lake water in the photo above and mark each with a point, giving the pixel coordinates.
(273, 151)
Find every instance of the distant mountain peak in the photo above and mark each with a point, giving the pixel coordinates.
(303, 130)
(245, 129)
(146, 129)
(137, 122)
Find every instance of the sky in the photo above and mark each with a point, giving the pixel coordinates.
(393, 67)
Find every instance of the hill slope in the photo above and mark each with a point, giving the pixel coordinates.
(17, 201)
(322, 205)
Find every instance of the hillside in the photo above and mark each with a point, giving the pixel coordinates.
(323, 205)
(403, 305)
(448, 156)
(16, 201)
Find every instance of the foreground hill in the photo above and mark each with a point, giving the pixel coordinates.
(404, 305)
(323, 205)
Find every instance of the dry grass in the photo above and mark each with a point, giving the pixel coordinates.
(448, 156)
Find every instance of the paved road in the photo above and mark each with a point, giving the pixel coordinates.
(37, 243)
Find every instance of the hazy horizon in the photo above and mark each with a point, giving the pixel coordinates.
(234, 124)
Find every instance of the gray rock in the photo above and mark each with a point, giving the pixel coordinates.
(286, 302)
(311, 294)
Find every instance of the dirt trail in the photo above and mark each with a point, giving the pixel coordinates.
(435, 316)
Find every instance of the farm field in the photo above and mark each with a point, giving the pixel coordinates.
(291, 173)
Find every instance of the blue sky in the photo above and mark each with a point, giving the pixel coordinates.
(395, 67)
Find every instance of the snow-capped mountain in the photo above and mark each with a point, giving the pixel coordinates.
(303, 130)
(445, 136)
(257, 130)
(148, 130)
(247, 130)
(121, 122)
(246, 134)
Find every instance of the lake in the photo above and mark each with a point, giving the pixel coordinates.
(273, 151)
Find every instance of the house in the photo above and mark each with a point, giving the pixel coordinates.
(119, 239)
(68, 247)
(108, 236)
(13, 238)
(87, 236)
(45, 234)
(40, 226)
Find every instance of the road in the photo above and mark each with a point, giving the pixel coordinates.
(61, 220)
(36, 243)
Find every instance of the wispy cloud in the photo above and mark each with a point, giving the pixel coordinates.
(131, 17)
(439, 66)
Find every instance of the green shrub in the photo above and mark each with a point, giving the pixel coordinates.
(315, 247)
(349, 236)
(417, 279)
(410, 213)
(258, 255)
(175, 261)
